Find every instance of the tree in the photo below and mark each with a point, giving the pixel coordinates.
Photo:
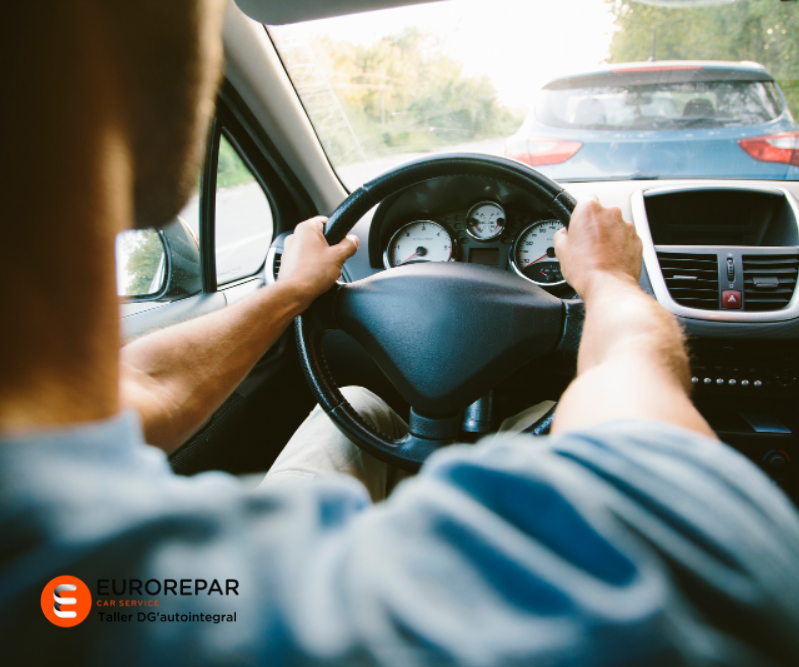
(401, 91)
(231, 169)
(764, 31)
(140, 252)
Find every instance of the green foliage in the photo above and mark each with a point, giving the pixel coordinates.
(231, 169)
(764, 31)
(141, 254)
(399, 93)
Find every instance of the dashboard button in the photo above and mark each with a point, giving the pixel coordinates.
(720, 381)
(757, 383)
(785, 377)
(731, 298)
(744, 383)
(694, 380)
(776, 462)
(708, 381)
(732, 382)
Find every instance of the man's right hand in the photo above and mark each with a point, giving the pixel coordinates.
(598, 244)
(310, 263)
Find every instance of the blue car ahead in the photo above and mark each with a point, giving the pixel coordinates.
(683, 119)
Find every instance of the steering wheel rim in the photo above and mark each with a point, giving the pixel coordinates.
(426, 434)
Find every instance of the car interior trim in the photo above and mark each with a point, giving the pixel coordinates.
(296, 11)
(256, 72)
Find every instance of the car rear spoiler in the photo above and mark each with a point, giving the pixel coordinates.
(659, 75)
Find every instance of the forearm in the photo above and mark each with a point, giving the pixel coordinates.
(177, 377)
(632, 363)
(623, 322)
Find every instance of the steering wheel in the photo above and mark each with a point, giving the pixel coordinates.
(443, 333)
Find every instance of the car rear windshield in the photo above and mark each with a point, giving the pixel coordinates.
(660, 106)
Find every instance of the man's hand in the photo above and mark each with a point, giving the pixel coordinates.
(311, 264)
(598, 244)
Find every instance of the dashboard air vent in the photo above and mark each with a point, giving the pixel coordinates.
(769, 281)
(692, 280)
(276, 264)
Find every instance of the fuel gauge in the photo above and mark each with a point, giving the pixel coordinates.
(485, 221)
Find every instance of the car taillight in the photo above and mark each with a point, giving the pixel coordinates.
(783, 148)
(537, 152)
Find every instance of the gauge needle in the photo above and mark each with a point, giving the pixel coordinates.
(536, 260)
(409, 258)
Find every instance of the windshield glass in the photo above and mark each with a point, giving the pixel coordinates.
(580, 89)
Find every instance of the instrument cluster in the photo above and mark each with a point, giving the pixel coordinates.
(483, 234)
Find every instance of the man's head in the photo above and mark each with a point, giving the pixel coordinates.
(171, 53)
(145, 71)
(102, 121)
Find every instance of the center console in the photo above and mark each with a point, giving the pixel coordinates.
(731, 254)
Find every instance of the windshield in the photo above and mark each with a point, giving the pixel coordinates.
(579, 89)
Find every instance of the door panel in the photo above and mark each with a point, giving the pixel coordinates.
(257, 199)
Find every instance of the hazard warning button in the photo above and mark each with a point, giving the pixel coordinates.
(731, 298)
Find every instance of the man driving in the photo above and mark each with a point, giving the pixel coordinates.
(630, 536)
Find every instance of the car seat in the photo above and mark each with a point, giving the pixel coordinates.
(699, 107)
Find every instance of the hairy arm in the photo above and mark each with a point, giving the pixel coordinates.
(632, 362)
(177, 377)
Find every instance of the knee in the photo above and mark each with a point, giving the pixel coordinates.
(364, 401)
(372, 408)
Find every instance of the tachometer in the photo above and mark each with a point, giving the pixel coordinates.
(419, 241)
(485, 220)
(534, 253)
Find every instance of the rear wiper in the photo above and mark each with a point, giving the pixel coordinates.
(713, 121)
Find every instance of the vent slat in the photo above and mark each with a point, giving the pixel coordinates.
(705, 293)
(774, 296)
(276, 264)
(692, 280)
(769, 271)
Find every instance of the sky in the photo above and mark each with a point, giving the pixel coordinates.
(518, 44)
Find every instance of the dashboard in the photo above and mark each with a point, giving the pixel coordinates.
(704, 242)
(484, 234)
(471, 220)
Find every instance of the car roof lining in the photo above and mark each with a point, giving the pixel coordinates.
(282, 12)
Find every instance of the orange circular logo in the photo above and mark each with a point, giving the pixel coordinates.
(66, 601)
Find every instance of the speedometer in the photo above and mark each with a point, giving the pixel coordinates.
(419, 241)
(534, 253)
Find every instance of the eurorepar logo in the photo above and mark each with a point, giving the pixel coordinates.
(66, 601)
